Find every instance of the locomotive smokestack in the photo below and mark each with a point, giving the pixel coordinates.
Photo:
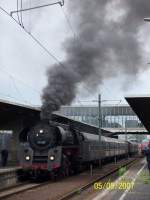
(108, 43)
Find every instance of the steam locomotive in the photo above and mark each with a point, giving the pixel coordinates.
(50, 148)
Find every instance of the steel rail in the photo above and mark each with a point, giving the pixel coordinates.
(83, 188)
(20, 188)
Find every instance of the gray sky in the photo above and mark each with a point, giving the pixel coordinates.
(23, 63)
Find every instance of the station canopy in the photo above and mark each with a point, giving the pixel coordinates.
(141, 106)
(10, 111)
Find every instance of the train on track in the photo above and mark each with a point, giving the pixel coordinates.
(50, 148)
(145, 144)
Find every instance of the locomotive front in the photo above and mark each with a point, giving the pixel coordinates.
(42, 150)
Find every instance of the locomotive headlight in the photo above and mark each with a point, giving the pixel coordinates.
(52, 158)
(27, 158)
(41, 131)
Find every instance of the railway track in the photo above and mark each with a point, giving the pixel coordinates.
(19, 188)
(78, 185)
(77, 191)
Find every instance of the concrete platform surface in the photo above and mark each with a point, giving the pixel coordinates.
(138, 180)
(8, 177)
(5, 170)
(141, 189)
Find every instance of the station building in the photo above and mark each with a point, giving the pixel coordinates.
(112, 116)
(115, 118)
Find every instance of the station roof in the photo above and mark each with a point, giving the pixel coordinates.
(10, 110)
(141, 106)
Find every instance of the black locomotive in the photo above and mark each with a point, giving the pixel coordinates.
(50, 148)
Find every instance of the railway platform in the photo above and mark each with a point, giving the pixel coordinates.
(133, 185)
(8, 176)
(4, 170)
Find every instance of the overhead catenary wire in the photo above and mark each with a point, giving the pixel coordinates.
(21, 18)
(34, 38)
(13, 79)
(78, 39)
(39, 42)
(18, 91)
(18, 13)
(8, 95)
(61, 3)
(29, 19)
(19, 80)
(69, 23)
(75, 34)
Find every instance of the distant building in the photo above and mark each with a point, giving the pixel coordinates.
(120, 116)
(112, 116)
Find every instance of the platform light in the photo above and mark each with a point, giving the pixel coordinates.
(27, 158)
(52, 158)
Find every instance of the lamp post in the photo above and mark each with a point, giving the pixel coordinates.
(126, 130)
(99, 125)
(99, 119)
(126, 136)
(99, 101)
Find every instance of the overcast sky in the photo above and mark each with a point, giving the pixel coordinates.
(23, 63)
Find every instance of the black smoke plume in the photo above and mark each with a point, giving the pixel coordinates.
(108, 43)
